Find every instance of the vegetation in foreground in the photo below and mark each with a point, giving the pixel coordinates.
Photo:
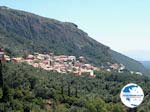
(31, 89)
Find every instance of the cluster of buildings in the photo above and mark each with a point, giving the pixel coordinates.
(64, 63)
(120, 68)
(60, 64)
(115, 67)
(2, 58)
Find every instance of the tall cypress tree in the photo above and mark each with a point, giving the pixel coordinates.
(76, 90)
(69, 89)
(62, 86)
(1, 75)
(1, 80)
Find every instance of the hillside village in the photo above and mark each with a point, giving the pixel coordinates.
(60, 64)
(64, 63)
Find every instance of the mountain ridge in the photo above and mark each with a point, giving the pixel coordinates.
(22, 32)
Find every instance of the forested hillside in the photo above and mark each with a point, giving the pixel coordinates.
(32, 89)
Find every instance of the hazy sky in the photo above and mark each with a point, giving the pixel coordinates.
(123, 25)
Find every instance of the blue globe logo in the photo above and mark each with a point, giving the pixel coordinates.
(132, 95)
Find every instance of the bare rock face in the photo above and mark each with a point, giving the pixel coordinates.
(22, 32)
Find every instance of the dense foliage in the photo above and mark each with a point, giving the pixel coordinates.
(32, 89)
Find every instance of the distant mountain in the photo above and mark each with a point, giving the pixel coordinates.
(22, 33)
(146, 64)
(138, 54)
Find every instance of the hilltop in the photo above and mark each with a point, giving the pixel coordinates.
(22, 33)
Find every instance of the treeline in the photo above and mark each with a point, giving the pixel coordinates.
(29, 89)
